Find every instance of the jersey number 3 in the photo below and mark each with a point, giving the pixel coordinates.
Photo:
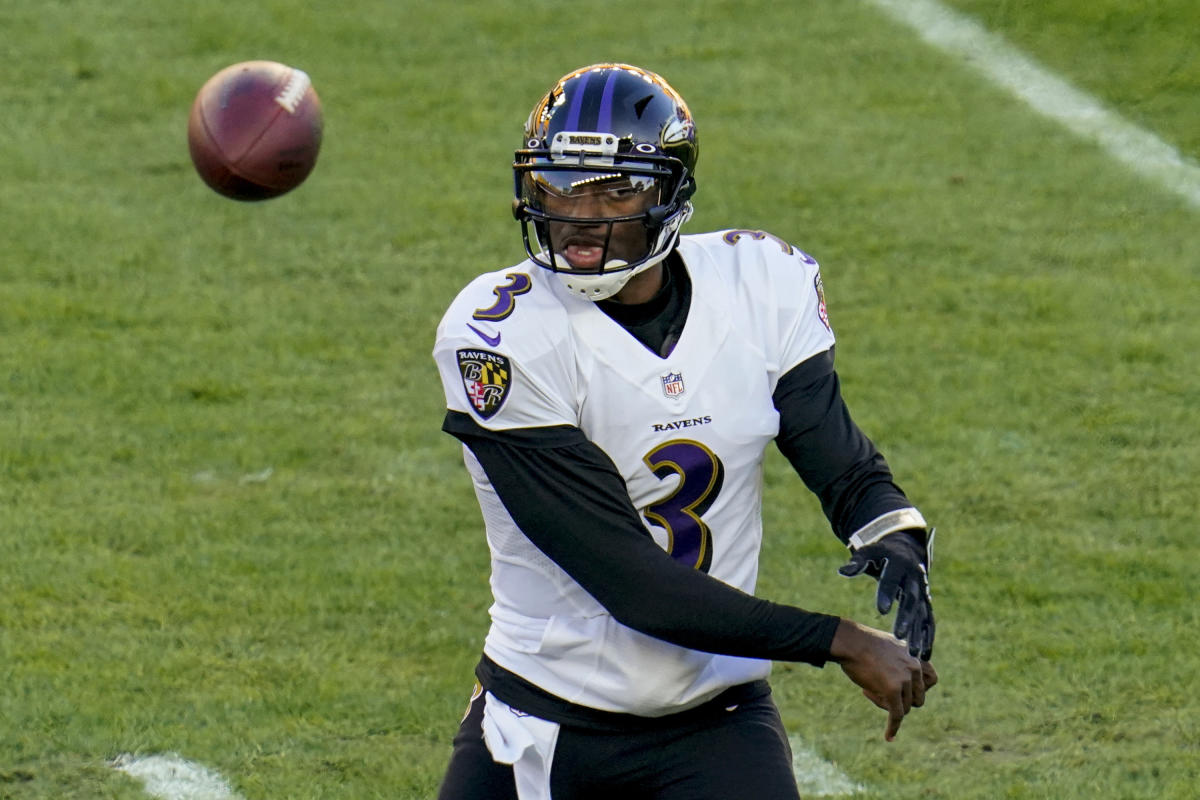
(701, 474)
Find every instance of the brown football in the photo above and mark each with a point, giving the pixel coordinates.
(255, 130)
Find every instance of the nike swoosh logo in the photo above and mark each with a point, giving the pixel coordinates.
(492, 341)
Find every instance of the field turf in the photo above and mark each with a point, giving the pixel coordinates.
(231, 529)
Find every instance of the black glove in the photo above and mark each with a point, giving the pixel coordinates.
(900, 562)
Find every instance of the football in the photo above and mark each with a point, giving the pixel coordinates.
(255, 130)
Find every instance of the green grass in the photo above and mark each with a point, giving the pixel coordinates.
(1140, 58)
(230, 527)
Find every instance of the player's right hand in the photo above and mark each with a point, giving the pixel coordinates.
(880, 664)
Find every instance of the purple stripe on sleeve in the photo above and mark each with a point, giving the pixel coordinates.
(577, 103)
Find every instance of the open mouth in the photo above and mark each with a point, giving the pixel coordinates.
(583, 252)
(581, 257)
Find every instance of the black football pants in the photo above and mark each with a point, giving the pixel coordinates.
(738, 754)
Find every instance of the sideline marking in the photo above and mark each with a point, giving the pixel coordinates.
(1049, 95)
(172, 777)
(817, 777)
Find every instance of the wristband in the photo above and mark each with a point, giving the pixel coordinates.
(881, 526)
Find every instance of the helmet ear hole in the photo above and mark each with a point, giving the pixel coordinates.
(656, 214)
(688, 189)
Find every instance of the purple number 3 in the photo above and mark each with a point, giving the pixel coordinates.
(506, 297)
(701, 474)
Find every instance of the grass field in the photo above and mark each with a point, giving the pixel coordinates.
(231, 529)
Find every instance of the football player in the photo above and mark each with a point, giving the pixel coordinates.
(615, 394)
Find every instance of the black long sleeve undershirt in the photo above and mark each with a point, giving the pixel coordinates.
(597, 537)
(832, 455)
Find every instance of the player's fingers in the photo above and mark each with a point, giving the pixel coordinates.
(916, 641)
(876, 699)
(918, 632)
(919, 616)
(926, 638)
(918, 686)
(889, 587)
(895, 717)
(909, 617)
(928, 675)
(857, 564)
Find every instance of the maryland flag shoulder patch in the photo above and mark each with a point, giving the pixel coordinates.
(486, 377)
(822, 309)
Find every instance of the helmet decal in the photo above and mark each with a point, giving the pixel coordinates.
(678, 130)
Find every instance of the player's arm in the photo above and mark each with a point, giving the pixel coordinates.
(867, 510)
(568, 498)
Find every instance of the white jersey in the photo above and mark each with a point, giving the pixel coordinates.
(687, 433)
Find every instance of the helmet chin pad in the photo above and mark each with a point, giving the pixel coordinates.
(606, 283)
(612, 277)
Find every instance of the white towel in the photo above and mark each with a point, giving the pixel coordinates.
(526, 742)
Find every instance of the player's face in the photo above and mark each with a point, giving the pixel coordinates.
(589, 201)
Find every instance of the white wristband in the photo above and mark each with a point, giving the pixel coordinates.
(898, 520)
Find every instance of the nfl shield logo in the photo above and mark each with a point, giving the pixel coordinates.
(672, 384)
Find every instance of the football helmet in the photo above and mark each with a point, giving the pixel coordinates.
(621, 137)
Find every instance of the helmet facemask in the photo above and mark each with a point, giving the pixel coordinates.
(606, 177)
(584, 207)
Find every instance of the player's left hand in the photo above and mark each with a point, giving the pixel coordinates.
(900, 562)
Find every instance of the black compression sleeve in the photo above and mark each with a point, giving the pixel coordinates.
(828, 450)
(567, 496)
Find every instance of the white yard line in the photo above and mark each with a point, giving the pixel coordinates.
(1048, 94)
(817, 777)
(171, 777)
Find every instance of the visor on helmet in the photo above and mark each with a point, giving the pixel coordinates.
(579, 195)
